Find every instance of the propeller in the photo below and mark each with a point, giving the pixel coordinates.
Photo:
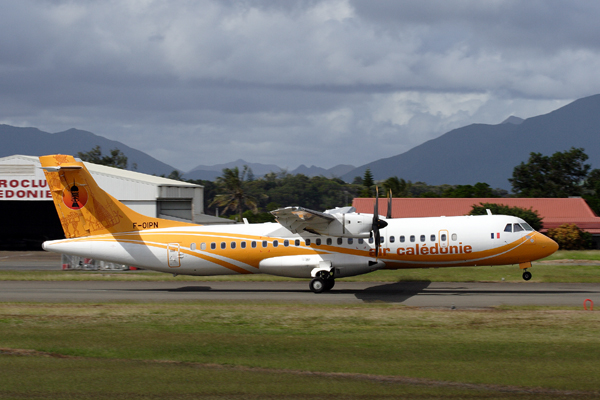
(377, 224)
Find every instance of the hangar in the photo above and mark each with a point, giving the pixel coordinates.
(29, 216)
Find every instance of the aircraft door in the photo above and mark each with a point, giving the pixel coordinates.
(443, 239)
(174, 254)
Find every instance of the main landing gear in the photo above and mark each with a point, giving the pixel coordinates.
(526, 275)
(323, 282)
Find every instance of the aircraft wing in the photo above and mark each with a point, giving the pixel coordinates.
(297, 219)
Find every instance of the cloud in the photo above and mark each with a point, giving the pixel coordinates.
(296, 82)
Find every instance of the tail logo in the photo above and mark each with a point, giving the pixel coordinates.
(75, 197)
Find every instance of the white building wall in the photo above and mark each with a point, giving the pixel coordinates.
(21, 178)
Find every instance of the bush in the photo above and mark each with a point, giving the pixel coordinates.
(571, 237)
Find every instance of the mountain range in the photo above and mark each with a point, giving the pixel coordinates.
(489, 153)
(34, 142)
(467, 155)
(211, 172)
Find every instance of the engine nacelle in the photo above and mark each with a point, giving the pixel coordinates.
(349, 225)
(341, 265)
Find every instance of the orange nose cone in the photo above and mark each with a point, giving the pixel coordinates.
(546, 245)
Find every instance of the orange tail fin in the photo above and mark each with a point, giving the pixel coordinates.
(84, 209)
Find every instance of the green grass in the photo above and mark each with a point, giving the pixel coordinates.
(230, 350)
(510, 273)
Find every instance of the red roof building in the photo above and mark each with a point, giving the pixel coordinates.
(554, 212)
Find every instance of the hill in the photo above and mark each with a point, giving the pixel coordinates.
(489, 153)
(34, 142)
(211, 172)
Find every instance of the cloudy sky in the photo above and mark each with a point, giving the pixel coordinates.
(290, 82)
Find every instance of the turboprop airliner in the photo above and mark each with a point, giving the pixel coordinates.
(303, 243)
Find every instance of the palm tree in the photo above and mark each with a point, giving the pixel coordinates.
(235, 195)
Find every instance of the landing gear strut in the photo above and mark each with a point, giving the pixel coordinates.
(323, 282)
(526, 275)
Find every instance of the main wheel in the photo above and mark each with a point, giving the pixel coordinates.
(317, 285)
(527, 275)
(329, 284)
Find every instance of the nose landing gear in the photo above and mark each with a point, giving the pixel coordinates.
(526, 275)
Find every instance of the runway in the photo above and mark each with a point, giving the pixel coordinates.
(416, 294)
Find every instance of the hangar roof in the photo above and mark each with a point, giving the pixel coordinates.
(96, 169)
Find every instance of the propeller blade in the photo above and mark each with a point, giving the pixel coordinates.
(377, 224)
(389, 211)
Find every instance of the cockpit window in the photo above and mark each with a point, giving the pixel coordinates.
(526, 226)
(508, 228)
(518, 228)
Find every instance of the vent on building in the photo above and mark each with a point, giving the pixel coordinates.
(17, 169)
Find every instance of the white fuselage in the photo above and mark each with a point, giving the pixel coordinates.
(271, 248)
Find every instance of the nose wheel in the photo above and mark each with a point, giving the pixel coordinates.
(526, 275)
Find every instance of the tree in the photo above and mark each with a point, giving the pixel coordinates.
(399, 187)
(480, 189)
(530, 216)
(116, 159)
(592, 190)
(175, 175)
(367, 183)
(559, 175)
(236, 195)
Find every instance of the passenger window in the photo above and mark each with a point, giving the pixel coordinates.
(454, 237)
(433, 238)
(213, 246)
(412, 238)
(318, 241)
(443, 237)
(329, 241)
(193, 246)
(223, 245)
(307, 242)
(392, 239)
(508, 228)
(350, 240)
(340, 241)
(233, 245)
(264, 243)
(422, 238)
(286, 243)
(275, 243)
(243, 245)
(370, 240)
(297, 242)
(253, 244)
(202, 246)
(361, 241)
(526, 226)
(517, 227)
(382, 239)
(402, 239)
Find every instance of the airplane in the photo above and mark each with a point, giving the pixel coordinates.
(303, 243)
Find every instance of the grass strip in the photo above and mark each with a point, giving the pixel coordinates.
(350, 379)
(547, 348)
(547, 273)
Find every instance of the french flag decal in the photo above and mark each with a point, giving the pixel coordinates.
(496, 236)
